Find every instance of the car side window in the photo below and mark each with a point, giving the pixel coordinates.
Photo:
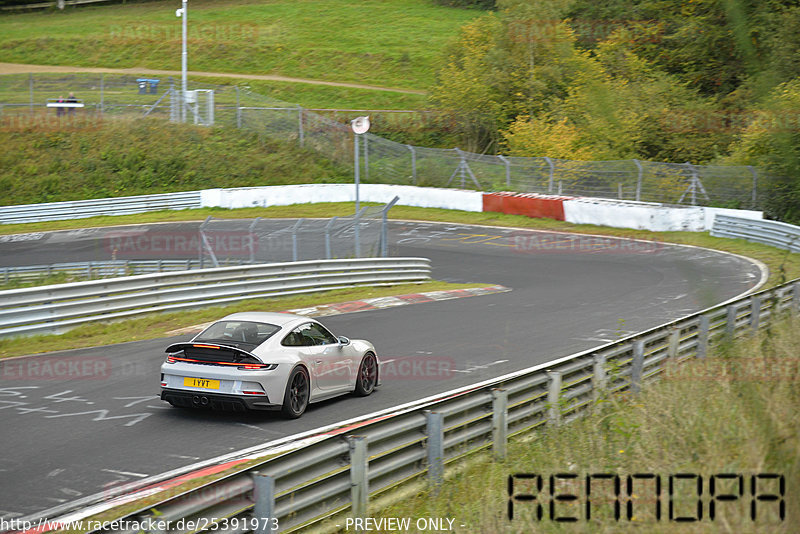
(308, 334)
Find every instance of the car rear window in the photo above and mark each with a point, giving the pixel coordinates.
(238, 333)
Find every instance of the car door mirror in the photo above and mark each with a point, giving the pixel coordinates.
(343, 340)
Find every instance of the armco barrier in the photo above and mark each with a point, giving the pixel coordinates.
(79, 209)
(340, 470)
(55, 308)
(773, 233)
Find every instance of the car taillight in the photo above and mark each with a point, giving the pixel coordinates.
(171, 359)
(258, 366)
(253, 392)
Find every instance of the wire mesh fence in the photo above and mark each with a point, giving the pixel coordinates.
(116, 96)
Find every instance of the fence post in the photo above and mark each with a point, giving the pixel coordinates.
(435, 432)
(238, 110)
(599, 379)
(359, 482)
(499, 422)
(796, 297)
(264, 498)
(755, 313)
(251, 230)
(384, 224)
(638, 180)
(295, 228)
(702, 336)
(328, 237)
(637, 365)
(413, 163)
(365, 158)
(30, 90)
(552, 174)
(301, 132)
(553, 398)
(508, 169)
(730, 321)
(674, 343)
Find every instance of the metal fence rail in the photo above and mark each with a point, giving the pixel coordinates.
(337, 475)
(55, 308)
(78, 209)
(773, 233)
(100, 269)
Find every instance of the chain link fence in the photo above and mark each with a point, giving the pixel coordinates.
(384, 161)
(362, 235)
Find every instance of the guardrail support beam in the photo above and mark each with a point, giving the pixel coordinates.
(554, 398)
(674, 343)
(702, 336)
(499, 423)
(755, 313)
(359, 481)
(264, 497)
(796, 297)
(730, 320)
(435, 432)
(637, 365)
(599, 379)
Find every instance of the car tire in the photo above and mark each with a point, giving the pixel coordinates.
(367, 377)
(295, 398)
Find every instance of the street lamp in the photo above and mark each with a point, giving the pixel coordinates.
(360, 126)
(182, 12)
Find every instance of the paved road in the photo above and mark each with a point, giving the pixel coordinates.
(66, 438)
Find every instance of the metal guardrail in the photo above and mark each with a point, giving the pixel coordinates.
(100, 269)
(79, 209)
(317, 484)
(777, 234)
(55, 308)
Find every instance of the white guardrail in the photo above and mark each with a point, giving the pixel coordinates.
(80, 209)
(56, 308)
(316, 485)
(773, 233)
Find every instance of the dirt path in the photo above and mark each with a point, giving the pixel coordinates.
(21, 68)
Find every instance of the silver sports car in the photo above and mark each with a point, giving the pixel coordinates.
(265, 361)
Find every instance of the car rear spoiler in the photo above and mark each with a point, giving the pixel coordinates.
(178, 347)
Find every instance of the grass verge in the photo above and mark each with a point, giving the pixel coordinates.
(158, 325)
(736, 412)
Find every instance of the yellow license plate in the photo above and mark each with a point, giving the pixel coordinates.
(201, 383)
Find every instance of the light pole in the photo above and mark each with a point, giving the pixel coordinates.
(182, 12)
(360, 126)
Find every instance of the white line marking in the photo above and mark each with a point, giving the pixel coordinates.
(125, 473)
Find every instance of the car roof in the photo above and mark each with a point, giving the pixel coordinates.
(276, 318)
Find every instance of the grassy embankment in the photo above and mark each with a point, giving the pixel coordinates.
(736, 412)
(393, 43)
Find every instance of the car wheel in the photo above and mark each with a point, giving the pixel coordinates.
(295, 399)
(367, 375)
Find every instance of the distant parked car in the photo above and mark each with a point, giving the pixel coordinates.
(266, 361)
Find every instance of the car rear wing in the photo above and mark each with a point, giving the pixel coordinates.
(213, 353)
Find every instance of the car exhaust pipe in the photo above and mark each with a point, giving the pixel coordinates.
(196, 399)
(204, 401)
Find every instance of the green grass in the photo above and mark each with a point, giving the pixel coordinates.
(389, 43)
(152, 326)
(723, 415)
(51, 161)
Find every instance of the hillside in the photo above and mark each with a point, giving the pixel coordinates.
(132, 157)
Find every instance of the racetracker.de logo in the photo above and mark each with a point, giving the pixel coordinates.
(56, 368)
(528, 243)
(179, 244)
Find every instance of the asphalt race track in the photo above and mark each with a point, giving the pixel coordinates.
(67, 438)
